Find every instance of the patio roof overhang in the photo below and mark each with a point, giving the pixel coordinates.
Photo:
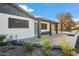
(30, 15)
(50, 26)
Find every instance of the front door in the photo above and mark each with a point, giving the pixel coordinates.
(35, 28)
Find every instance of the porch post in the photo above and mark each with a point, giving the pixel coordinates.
(61, 28)
(56, 28)
(50, 29)
(39, 29)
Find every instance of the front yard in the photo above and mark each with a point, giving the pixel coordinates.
(19, 51)
(55, 45)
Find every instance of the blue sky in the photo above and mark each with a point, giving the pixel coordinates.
(51, 10)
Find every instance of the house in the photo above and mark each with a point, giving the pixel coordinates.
(19, 24)
(46, 26)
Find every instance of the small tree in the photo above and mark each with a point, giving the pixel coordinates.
(66, 20)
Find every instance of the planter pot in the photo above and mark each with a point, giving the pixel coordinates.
(2, 43)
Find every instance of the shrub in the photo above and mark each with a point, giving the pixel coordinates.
(2, 37)
(76, 28)
(28, 47)
(45, 33)
(66, 47)
(46, 47)
(8, 43)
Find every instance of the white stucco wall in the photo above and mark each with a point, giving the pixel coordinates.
(43, 30)
(20, 32)
(53, 27)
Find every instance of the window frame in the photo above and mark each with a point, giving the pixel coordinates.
(43, 26)
(17, 22)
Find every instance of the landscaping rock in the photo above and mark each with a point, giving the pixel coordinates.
(56, 52)
(16, 50)
(4, 54)
(37, 45)
(56, 47)
(37, 52)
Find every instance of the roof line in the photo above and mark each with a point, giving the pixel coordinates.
(29, 14)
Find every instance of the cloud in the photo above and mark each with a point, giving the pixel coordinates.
(38, 16)
(26, 8)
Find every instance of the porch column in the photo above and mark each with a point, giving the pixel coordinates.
(61, 28)
(50, 28)
(56, 28)
(39, 29)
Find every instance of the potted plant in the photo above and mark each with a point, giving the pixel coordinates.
(2, 38)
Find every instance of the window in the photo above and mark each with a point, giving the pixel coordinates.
(17, 23)
(43, 26)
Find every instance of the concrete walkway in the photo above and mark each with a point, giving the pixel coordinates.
(54, 39)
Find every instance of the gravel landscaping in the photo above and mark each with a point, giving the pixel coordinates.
(15, 50)
(37, 47)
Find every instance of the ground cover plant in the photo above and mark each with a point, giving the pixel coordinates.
(28, 47)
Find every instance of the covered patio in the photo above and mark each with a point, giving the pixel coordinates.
(44, 25)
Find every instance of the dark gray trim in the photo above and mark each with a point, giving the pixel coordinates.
(50, 29)
(47, 20)
(39, 29)
(14, 23)
(61, 28)
(56, 28)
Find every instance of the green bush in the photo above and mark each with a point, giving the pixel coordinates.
(28, 47)
(2, 37)
(45, 33)
(46, 47)
(8, 43)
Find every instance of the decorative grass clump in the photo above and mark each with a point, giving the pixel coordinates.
(66, 47)
(46, 49)
(28, 47)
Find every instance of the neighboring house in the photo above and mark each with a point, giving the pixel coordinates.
(19, 24)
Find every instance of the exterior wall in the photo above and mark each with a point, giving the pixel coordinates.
(59, 27)
(47, 26)
(20, 32)
(44, 30)
(53, 27)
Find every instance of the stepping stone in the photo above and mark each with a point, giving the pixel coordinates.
(56, 47)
